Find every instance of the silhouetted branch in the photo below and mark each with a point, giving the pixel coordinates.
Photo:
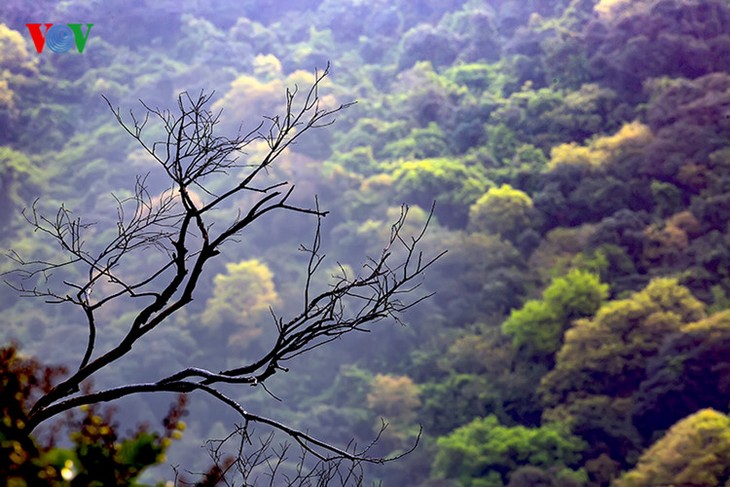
(179, 227)
(244, 458)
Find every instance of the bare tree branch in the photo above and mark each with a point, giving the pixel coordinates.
(178, 226)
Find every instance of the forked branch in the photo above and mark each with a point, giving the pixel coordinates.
(179, 226)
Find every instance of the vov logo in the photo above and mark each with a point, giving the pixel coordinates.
(59, 37)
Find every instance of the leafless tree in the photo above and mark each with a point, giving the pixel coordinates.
(243, 459)
(180, 226)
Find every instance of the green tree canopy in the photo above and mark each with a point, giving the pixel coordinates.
(608, 354)
(486, 449)
(453, 184)
(481, 266)
(539, 325)
(689, 373)
(240, 297)
(19, 179)
(695, 451)
(505, 211)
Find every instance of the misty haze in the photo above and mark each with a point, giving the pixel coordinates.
(335, 242)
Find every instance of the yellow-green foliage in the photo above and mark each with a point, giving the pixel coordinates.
(574, 155)
(249, 98)
(695, 451)
(16, 66)
(716, 324)
(6, 96)
(14, 54)
(450, 182)
(19, 175)
(503, 210)
(484, 448)
(632, 136)
(241, 296)
(608, 8)
(539, 325)
(608, 354)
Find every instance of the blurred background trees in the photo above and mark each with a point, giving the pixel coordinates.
(577, 151)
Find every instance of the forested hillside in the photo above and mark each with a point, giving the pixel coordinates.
(578, 153)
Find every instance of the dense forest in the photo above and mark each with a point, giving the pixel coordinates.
(578, 153)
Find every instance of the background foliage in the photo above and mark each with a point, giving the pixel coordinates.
(577, 151)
